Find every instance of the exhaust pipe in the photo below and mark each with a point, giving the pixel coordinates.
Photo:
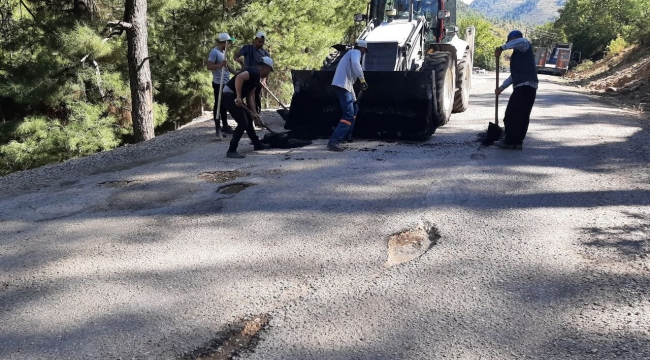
(411, 10)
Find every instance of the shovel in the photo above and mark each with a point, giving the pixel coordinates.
(258, 120)
(494, 131)
(284, 112)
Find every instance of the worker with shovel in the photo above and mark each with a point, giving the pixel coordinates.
(220, 75)
(242, 86)
(523, 78)
(347, 72)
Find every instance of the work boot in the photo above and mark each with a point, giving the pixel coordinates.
(235, 155)
(334, 147)
(261, 146)
(507, 146)
(227, 129)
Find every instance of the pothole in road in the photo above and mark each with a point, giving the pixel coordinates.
(478, 157)
(117, 183)
(411, 244)
(233, 188)
(238, 338)
(221, 176)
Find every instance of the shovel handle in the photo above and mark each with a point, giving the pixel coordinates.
(275, 97)
(259, 119)
(496, 98)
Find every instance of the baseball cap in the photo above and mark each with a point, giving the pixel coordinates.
(260, 34)
(267, 61)
(363, 44)
(515, 33)
(225, 37)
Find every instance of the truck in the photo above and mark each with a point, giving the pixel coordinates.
(554, 60)
(418, 69)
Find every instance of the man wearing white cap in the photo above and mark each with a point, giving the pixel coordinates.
(220, 74)
(347, 72)
(238, 92)
(250, 55)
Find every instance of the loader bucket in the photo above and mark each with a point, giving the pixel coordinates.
(396, 105)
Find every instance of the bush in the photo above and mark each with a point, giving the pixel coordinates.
(39, 141)
(584, 65)
(616, 46)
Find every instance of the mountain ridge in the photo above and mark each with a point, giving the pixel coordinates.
(526, 11)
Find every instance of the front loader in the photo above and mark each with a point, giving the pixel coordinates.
(418, 69)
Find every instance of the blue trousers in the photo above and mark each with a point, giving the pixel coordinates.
(350, 109)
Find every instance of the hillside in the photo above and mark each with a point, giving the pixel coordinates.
(528, 11)
(623, 77)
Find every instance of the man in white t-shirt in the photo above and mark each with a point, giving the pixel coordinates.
(220, 74)
(347, 72)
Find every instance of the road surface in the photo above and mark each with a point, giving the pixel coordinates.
(540, 253)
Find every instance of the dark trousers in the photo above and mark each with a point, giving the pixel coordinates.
(517, 115)
(223, 111)
(243, 119)
(258, 98)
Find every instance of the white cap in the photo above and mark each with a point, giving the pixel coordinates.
(225, 37)
(260, 34)
(363, 44)
(267, 61)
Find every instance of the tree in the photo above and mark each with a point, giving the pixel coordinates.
(484, 42)
(135, 25)
(545, 35)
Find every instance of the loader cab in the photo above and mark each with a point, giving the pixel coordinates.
(425, 8)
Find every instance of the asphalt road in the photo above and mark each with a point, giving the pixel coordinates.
(540, 253)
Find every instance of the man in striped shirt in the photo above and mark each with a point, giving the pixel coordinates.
(524, 81)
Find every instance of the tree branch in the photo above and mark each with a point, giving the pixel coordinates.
(119, 24)
(28, 10)
(99, 79)
(143, 61)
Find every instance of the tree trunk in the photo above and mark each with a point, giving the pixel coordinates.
(135, 13)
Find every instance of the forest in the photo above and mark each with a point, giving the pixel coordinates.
(67, 66)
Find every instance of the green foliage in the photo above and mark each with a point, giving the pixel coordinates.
(617, 45)
(83, 41)
(486, 40)
(41, 141)
(584, 65)
(592, 25)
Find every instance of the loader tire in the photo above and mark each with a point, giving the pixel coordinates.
(445, 77)
(461, 99)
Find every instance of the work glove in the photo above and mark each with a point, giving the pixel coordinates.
(364, 85)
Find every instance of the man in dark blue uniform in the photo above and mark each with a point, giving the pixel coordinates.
(523, 78)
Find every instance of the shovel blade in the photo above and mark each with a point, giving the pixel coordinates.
(493, 133)
(284, 114)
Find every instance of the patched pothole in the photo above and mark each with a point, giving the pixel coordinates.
(221, 176)
(117, 183)
(411, 244)
(239, 338)
(233, 188)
